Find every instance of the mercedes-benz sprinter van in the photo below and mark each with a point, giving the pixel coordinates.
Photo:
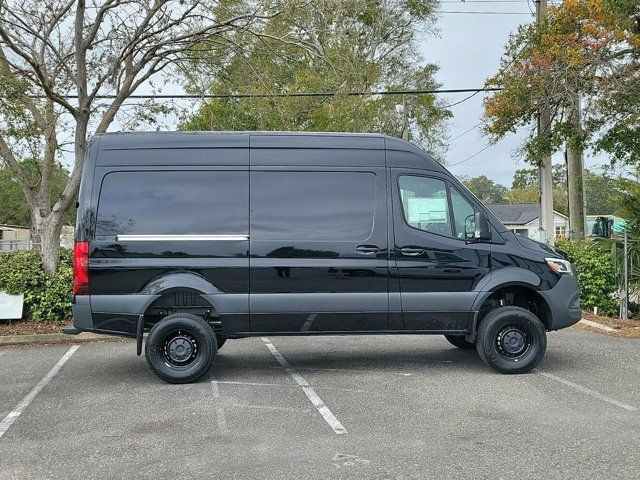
(198, 238)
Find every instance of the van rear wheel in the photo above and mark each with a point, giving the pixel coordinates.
(460, 342)
(180, 348)
(511, 340)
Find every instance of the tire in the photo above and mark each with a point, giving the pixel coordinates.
(181, 348)
(221, 340)
(511, 340)
(460, 342)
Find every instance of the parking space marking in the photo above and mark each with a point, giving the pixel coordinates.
(222, 419)
(317, 402)
(588, 391)
(24, 403)
(253, 384)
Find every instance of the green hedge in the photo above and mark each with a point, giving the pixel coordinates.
(597, 274)
(46, 298)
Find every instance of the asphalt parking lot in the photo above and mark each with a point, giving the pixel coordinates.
(319, 407)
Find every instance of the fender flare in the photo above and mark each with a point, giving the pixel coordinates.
(162, 284)
(494, 281)
(501, 278)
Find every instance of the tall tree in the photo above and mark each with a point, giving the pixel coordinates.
(528, 177)
(14, 208)
(366, 45)
(486, 189)
(59, 58)
(586, 48)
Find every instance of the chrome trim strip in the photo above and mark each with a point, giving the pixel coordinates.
(180, 238)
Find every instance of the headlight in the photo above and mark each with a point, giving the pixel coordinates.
(559, 265)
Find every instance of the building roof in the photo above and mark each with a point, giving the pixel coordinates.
(517, 213)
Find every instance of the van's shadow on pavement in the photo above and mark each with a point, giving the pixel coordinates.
(231, 365)
(412, 361)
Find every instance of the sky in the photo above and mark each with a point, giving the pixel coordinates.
(468, 50)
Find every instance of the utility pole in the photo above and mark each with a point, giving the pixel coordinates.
(545, 170)
(405, 120)
(575, 177)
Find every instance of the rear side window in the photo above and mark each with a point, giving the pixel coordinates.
(312, 205)
(186, 202)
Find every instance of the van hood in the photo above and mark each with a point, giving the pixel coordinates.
(539, 247)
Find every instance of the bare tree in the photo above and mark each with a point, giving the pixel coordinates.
(68, 66)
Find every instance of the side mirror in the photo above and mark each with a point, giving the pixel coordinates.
(483, 229)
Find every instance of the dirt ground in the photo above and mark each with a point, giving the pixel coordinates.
(27, 327)
(624, 328)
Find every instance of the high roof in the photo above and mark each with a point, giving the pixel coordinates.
(173, 148)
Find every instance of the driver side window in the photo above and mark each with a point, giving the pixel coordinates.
(424, 203)
(425, 206)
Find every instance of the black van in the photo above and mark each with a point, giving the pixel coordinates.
(197, 238)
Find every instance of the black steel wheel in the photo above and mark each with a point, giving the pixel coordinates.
(181, 348)
(511, 340)
(460, 342)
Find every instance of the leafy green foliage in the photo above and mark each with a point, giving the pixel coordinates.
(14, 209)
(342, 47)
(583, 47)
(597, 274)
(486, 189)
(46, 297)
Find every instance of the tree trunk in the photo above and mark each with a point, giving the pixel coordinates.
(50, 243)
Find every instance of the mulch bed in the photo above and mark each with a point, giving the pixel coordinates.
(624, 328)
(26, 327)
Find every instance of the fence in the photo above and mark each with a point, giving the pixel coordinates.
(14, 244)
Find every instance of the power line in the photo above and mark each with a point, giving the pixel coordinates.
(466, 131)
(469, 158)
(292, 94)
(477, 12)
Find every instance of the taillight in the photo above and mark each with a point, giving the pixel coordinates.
(81, 268)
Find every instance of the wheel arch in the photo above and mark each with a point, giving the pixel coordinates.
(163, 291)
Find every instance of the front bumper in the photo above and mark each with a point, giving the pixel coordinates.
(564, 302)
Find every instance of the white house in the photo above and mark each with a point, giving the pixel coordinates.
(523, 218)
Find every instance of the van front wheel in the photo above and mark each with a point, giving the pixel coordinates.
(511, 340)
(181, 347)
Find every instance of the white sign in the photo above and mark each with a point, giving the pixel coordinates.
(11, 306)
(427, 210)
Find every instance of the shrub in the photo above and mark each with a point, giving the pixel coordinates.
(46, 297)
(597, 274)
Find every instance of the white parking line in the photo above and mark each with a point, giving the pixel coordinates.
(24, 403)
(317, 402)
(222, 419)
(588, 391)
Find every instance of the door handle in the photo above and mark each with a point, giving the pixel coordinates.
(412, 251)
(367, 249)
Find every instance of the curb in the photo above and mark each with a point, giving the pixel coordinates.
(83, 337)
(597, 325)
